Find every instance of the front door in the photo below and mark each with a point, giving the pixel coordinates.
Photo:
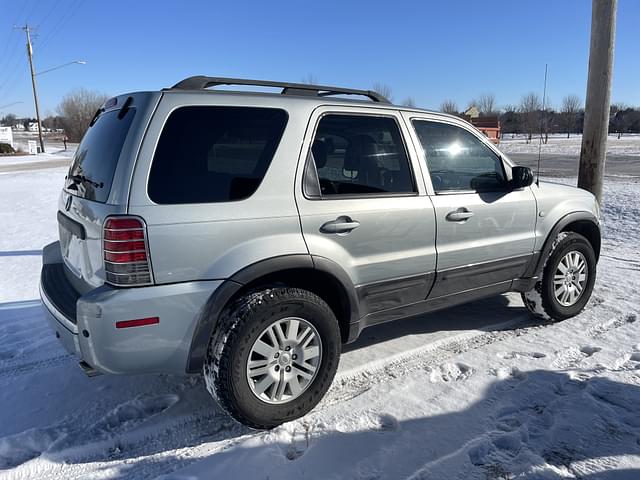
(485, 228)
(363, 205)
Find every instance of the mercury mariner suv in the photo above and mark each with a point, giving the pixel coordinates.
(246, 236)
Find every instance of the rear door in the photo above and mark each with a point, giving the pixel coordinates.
(485, 228)
(362, 205)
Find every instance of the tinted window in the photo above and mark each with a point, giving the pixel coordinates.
(214, 154)
(357, 154)
(95, 161)
(458, 160)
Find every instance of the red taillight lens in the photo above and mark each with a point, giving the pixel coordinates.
(125, 257)
(118, 235)
(125, 246)
(126, 254)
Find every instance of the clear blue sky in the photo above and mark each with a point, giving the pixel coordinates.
(429, 50)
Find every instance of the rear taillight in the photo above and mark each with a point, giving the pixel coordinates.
(126, 252)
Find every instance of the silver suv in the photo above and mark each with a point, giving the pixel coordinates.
(247, 236)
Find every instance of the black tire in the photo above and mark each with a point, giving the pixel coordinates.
(541, 300)
(239, 326)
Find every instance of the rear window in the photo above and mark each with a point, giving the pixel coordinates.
(95, 161)
(214, 154)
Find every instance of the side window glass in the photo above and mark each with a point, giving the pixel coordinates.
(358, 154)
(210, 154)
(458, 160)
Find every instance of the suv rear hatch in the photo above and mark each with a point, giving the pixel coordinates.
(97, 184)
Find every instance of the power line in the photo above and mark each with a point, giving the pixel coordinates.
(9, 65)
(11, 60)
(6, 61)
(62, 20)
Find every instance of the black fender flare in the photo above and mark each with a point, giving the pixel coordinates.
(208, 317)
(535, 268)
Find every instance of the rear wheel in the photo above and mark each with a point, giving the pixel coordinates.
(567, 279)
(273, 356)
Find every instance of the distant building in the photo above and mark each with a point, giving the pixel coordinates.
(18, 127)
(490, 126)
(472, 112)
(33, 126)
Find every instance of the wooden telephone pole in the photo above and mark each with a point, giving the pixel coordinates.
(596, 113)
(27, 30)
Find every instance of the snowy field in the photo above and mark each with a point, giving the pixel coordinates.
(476, 392)
(559, 144)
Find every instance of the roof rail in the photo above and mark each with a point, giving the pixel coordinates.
(201, 82)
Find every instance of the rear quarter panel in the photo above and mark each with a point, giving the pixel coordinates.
(215, 240)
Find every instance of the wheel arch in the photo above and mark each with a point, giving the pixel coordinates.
(584, 223)
(319, 275)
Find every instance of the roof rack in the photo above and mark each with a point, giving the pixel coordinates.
(200, 82)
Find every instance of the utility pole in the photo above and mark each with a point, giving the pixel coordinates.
(27, 30)
(596, 113)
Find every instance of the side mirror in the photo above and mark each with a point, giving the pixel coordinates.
(521, 177)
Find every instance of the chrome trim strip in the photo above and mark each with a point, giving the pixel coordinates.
(122, 229)
(127, 240)
(139, 262)
(123, 251)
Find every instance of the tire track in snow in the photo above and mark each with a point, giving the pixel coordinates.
(10, 373)
(353, 384)
(430, 357)
(192, 438)
(184, 440)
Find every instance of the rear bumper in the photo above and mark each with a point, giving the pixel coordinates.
(92, 335)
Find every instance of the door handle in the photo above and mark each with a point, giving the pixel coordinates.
(459, 215)
(342, 224)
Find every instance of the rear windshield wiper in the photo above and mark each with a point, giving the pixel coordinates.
(83, 179)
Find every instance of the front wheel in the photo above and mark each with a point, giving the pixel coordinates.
(567, 279)
(273, 356)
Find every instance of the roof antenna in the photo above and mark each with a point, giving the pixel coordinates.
(542, 121)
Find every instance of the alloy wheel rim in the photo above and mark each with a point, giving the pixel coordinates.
(284, 360)
(570, 278)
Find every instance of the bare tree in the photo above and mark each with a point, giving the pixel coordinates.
(77, 109)
(409, 102)
(530, 107)
(310, 79)
(487, 104)
(547, 116)
(571, 105)
(621, 118)
(509, 120)
(383, 89)
(449, 106)
(53, 122)
(9, 120)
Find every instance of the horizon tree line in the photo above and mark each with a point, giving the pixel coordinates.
(528, 117)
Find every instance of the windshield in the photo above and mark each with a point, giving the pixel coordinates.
(95, 161)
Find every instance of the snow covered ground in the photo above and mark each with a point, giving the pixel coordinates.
(476, 392)
(55, 154)
(559, 144)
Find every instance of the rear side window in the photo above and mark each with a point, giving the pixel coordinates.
(95, 161)
(359, 154)
(214, 154)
